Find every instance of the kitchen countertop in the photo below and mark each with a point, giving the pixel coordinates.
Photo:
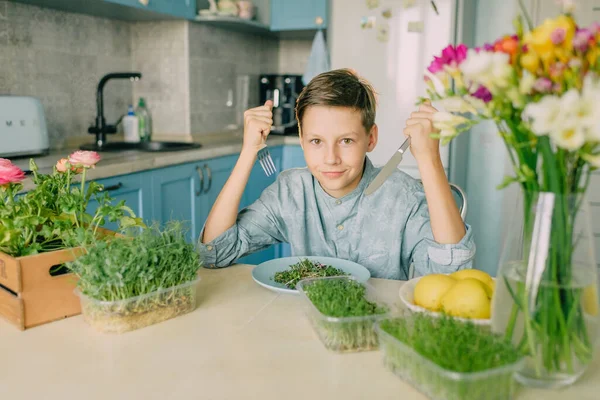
(127, 162)
(242, 342)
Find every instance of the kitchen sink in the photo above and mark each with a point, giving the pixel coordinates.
(142, 146)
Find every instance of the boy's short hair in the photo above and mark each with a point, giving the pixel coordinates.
(339, 88)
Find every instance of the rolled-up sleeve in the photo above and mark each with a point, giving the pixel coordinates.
(427, 255)
(256, 228)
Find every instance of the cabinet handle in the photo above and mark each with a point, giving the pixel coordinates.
(113, 187)
(319, 21)
(209, 173)
(201, 176)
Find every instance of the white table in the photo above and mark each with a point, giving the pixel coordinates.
(242, 342)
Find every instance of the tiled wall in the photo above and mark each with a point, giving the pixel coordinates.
(60, 57)
(219, 62)
(293, 55)
(160, 53)
(188, 69)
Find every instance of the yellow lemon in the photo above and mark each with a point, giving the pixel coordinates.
(476, 274)
(590, 300)
(468, 298)
(430, 289)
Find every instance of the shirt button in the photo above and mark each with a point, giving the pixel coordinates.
(340, 227)
(209, 248)
(338, 202)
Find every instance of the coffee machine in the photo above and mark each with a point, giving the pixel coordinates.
(284, 91)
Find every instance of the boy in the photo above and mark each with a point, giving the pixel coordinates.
(322, 210)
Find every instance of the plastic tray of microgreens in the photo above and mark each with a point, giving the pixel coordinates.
(132, 282)
(343, 312)
(447, 359)
(140, 311)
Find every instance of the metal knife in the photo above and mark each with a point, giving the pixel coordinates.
(388, 168)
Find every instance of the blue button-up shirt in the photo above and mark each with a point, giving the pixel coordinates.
(385, 231)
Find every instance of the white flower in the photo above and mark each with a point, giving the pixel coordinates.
(515, 97)
(457, 104)
(569, 137)
(448, 123)
(544, 114)
(568, 6)
(491, 70)
(479, 105)
(438, 85)
(526, 83)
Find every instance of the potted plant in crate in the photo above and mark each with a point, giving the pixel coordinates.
(42, 229)
(132, 282)
(541, 88)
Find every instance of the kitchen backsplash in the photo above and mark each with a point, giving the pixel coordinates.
(160, 53)
(195, 77)
(293, 55)
(59, 57)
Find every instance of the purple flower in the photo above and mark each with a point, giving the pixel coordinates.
(542, 85)
(581, 41)
(451, 56)
(558, 36)
(486, 47)
(436, 65)
(482, 93)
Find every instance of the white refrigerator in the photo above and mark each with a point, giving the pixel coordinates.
(391, 43)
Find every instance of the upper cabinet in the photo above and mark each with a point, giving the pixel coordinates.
(174, 8)
(130, 10)
(293, 15)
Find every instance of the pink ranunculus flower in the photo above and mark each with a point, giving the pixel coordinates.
(5, 161)
(451, 58)
(10, 173)
(61, 165)
(86, 159)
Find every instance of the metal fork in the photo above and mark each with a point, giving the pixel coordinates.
(266, 162)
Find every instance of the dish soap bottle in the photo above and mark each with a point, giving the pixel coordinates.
(144, 121)
(130, 126)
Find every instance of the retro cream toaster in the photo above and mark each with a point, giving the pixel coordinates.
(23, 130)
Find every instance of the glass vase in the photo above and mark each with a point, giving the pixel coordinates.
(546, 288)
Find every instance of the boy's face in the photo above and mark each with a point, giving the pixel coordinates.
(335, 142)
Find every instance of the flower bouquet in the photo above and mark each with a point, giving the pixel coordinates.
(541, 88)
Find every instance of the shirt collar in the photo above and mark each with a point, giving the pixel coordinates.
(369, 172)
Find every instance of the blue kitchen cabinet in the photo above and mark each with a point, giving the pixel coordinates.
(293, 157)
(134, 189)
(176, 8)
(293, 15)
(177, 193)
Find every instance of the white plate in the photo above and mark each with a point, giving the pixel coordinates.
(407, 296)
(263, 273)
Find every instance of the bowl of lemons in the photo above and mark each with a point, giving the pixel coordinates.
(465, 295)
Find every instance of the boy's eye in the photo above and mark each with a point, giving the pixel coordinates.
(347, 141)
(316, 141)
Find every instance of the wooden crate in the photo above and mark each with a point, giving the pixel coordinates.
(30, 295)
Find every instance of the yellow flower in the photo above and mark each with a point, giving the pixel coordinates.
(592, 55)
(540, 41)
(530, 61)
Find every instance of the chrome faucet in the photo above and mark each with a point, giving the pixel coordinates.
(101, 129)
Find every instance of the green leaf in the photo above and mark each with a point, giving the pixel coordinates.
(507, 181)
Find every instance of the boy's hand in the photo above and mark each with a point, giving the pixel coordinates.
(419, 128)
(257, 125)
